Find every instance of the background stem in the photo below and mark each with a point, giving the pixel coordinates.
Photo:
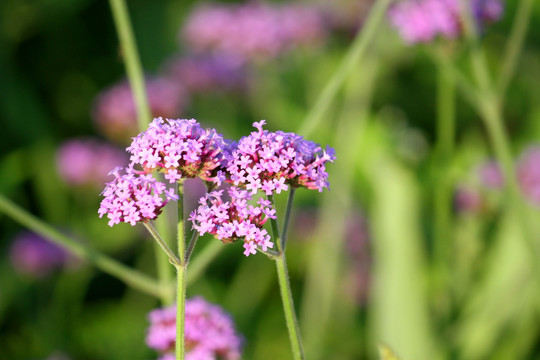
(132, 61)
(133, 278)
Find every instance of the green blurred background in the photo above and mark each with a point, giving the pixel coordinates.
(361, 256)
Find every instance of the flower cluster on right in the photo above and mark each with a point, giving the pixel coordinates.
(263, 162)
(421, 21)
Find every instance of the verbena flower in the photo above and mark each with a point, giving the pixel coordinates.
(87, 161)
(180, 149)
(253, 31)
(528, 174)
(115, 113)
(209, 332)
(202, 73)
(236, 219)
(273, 161)
(132, 197)
(32, 255)
(423, 20)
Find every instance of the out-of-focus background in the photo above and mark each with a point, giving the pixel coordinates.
(365, 263)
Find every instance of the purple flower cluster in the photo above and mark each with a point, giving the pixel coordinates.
(235, 219)
(132, 197)
(253, 30)
(180, 149)
(271, 161)
(87, 161)
(423, 20)
(115, 113)
(209, 332)
(528, 174)
(33, 255)
(203, 73)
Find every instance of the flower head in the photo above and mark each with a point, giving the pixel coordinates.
(132, 197)
(234, 219)
(253, 31)
(180, 149)
(87, 161)
(273, 161)
(423, 20)
(33, 255)
(209, 332)
(115, 113)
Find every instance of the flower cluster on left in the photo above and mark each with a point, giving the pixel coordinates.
(179, 149)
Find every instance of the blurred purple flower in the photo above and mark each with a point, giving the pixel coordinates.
(271, 161)
(209, 332)
(490, 175)
(424, 20)
(467, 200)
(234, 219)
(33, 255)
(254, 31)
(115, 112)
(88, 161)
(203, 73)
(528, 174)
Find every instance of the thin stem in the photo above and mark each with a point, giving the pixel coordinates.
(152, 230)
(363, 38)
(275, 227)
(191, 246)
(288, 308)
(107, 264)
(181, 277)
(290, 200)
(132, 61)
(514, 45)
(285, 291)
(444, 148)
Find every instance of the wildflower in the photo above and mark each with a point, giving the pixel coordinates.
(423, 20)
(87, 161)
(273, 161)
(132, 198)
(33, 255)
(209, 332)
(253, 31)
(203, 73)
(180, 149)
(235, 219)
(491, 175)
(115, 113)
(528, 174)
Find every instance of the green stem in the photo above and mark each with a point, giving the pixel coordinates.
(363, 38)
(444, 148)
(290, 200)
(130, 276)
(152, 230)
(288, 308)
(191, 246)
(181, 277)
(514, 45)
(285, 288)
(132, 61)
